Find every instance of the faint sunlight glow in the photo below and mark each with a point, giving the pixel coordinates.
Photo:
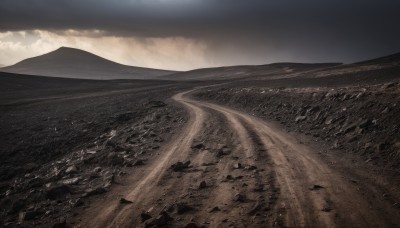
(175, 53)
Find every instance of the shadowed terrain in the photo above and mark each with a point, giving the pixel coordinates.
(278, 145)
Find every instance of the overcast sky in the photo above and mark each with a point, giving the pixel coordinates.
(188, 34)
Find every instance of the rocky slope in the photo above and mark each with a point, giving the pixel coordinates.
(363, 120)
(59, 152)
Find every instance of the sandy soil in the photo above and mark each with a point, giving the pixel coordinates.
(260, 176)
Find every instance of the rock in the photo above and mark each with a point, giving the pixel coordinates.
(124, 201)
(94, 191)
(251, 167)
(315, 187)
(239, 198)
(349, 128)
(79, 202)
(300, 118)
(326, 208)
(115, 160)
(145, 216)
(365, 123)
(214, 209)
(161, 220)
(237, 166)
(259, 188)
(226, 151)
(183, 208)
(71, 181)
(97, 169)
(223, 151)
(138, 162)
(180, 166)
(198, 145)
(257, 207)
(71, 170)
(202, 184)
(386, 110)
(58, 192)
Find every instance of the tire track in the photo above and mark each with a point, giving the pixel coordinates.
(110, 214)
(286, 169)
(337, 204)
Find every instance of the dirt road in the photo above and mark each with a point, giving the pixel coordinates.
(254, 175)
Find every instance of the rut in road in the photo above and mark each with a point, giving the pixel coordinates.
(270, 186)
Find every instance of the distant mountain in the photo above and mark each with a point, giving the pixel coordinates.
(249, 71)
(75, 63)
(394, 58)
(1, 65)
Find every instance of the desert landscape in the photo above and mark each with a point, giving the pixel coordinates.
(276, 145)
(167, 113)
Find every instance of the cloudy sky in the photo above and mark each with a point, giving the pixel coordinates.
(188, 34)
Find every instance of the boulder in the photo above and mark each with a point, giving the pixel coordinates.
(124, 201)
(180, 166)
(71, 170)
(202, 184)
(300, 118)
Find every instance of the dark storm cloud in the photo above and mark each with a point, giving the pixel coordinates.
(305, 30)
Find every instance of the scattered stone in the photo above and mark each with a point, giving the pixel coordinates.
(71, 181)
(239, 198)
(180, 166)
(326, 208)
(365, 123)
(198, 145)
(300, 118)
(214, 209)
(161, 220)
(256, 208)
(94, 191)
(145, 216)
(259, 188)
(223, 151)
(79, 202)
(183, 208)
(237, 166)
(251, 167)
(203, 184)
(138, 163)
(124, 201)
(71, 170)
(315, 187)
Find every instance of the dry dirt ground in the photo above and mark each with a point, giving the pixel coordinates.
(80, 153)
(227, 168)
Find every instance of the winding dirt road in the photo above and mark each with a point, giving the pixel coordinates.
(256, 175)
